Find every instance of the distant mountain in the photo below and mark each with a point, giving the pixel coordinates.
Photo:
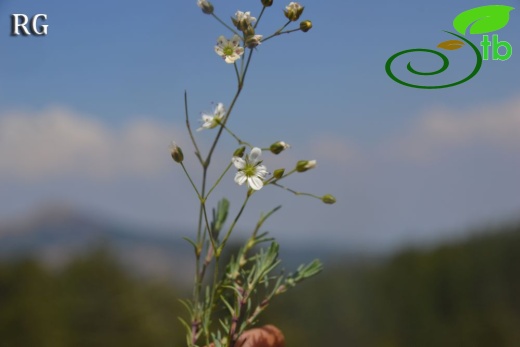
(57, 234)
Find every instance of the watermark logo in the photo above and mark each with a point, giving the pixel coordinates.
(480, 21)
(20, 25)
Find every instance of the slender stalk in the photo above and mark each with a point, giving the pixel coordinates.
(189, 178)
(280, 33)
(201, 271)
(224, 24)
(197, 151)
(219, 179)
(259, 17)
(294, 191)
(224, 241)
(239, 140)
(236, 71)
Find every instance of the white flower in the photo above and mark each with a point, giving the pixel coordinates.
(211, 121)
(245, 18)
(250, 170)
(229, 50)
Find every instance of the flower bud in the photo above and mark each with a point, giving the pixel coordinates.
(176, 153)
(267, 3)
(243, 20)
(249, 31)
(328, 199)
(278, 173)
(305, 25)
(304, 165)
(253, 41)
(278, 147)
(293, 11)
(206, 6)
(239, 152)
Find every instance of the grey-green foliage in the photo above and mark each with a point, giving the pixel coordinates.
(461, 295)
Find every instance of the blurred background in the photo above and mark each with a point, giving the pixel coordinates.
(421, 249)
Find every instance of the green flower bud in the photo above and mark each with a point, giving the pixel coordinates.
(278, 173)
(293, 11)
(176, 153)
(249, 31)
(328, 199)
(305, 25)
(304, 165)
(206, 6)
(278, 147)
(267, 3)
(239, 152)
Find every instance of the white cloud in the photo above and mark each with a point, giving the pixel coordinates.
(334, 149)
(59, 142)
(441, 130)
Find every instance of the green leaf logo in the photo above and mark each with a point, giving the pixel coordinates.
(482, 19)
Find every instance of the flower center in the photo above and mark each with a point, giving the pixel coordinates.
(249, 170)
(228, 50)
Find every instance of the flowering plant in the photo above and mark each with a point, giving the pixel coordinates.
(245, 286)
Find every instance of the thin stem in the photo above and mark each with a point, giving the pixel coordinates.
(280, 31)
(240, 141)
(199, 275)
(219, 179)
(247, 65)
(197, 151)
(242, 60)
(259, 17)
(236, 72)
(211, 238)
(224, 24)
(201, 270)
(224, 241)
(215, 141)
(294, 191)
(272, 180)
(192, 184)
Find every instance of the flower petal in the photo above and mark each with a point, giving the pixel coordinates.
(255, 154)
(230, 59)
(261, 171)
(235, 40)
(238, 162)
(219, 51)
(220, 110)
(240, 178)
(222, 41)
(255, 183)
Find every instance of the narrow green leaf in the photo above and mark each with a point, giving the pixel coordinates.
(186, 325)
(191, 242)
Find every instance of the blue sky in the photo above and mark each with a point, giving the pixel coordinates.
(87, 113)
